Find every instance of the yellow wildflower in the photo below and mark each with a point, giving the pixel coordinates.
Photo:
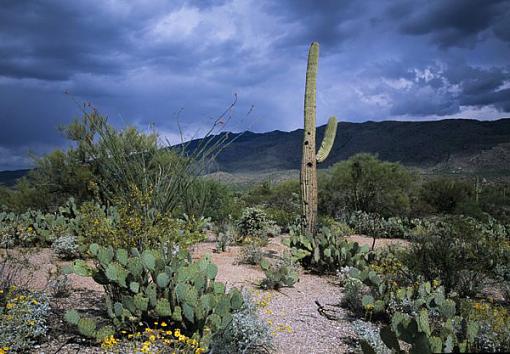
(9, 306)
(163, 324)
(369, 307)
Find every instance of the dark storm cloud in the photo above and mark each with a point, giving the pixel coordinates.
(53, 40)
(454, 22)
(329, 21)
(141, 62)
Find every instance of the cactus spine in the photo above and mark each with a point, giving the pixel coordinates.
(310, 158)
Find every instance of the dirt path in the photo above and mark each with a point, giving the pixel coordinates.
(297, 326)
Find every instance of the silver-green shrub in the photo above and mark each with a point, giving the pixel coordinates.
(66, 247)
(250, 254)
(247, 333)
(23, 317)
(369, 332)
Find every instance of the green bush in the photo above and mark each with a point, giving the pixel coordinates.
(460, 251)
(157, 285)
(121, 226)
(353, 292)
(280, 201)
(210, 199)
(336, 227)
(254, 226)
(365, 183)
(446, 195)
(23, 318)
(374, 225)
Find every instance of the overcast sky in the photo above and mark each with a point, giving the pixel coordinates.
(140, 62)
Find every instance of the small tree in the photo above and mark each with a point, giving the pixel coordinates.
(365, 183)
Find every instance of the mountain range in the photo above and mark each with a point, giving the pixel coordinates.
(456, 144)
(450, 145)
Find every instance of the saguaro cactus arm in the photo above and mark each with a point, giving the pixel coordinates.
(328, 140)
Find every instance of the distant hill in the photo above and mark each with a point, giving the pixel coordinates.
(9, 178)
(466, 144)
(444, 146)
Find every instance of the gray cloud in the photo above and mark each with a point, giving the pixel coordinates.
(455, 22)
(140, 64)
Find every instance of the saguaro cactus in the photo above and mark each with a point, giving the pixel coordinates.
(310, 158)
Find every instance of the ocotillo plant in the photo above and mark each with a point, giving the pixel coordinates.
(310, 158)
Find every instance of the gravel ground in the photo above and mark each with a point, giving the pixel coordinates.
(297, 326)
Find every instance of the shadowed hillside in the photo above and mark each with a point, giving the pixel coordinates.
(422, 144)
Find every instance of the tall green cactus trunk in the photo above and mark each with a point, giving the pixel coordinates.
(310, 158)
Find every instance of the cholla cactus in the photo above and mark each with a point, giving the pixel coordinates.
(310, 157)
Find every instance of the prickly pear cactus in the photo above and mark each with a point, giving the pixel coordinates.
(157, 285)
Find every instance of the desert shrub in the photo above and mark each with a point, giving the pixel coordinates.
(60, 286)
(120, 226)
(23, 318)
(281, 217)
(280, 201)
(211, 199)
(97, 224)
(325, 252)
(250, 254)
(273, 229)
(495, 200)
(493, 320)
(365, 183)
(157, 285)
(56, 177)
(460, 251)
(282, 272)
(226, 236)
(336, 227)
(376, 226)
(66, 247)
(254, 226)
(446, 195)
(353, 292)
(247, 333)
(369, 333)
